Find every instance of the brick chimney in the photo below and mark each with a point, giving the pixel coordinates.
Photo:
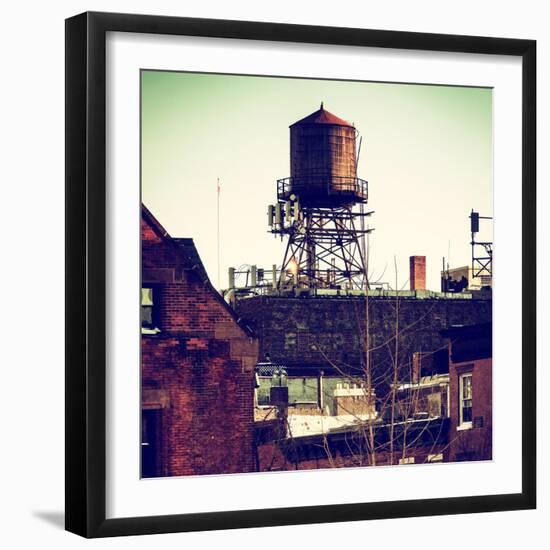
(417, 277)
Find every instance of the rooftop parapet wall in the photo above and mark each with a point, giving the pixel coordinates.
(328, 333)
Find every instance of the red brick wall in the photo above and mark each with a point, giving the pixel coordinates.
(148, 234)
(203, 361)
(207, 425)
(477, 441)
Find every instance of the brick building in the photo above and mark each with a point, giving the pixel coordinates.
(197, 365)
(470, 390)
(326, 333)
(443, 413)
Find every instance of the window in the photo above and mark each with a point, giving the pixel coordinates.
(148, 312)
(303, 390)
(290, 340)
(465, 401)
(263, 390)
(434, 405)
(407, 460)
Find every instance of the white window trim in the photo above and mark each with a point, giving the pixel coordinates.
(463, 425)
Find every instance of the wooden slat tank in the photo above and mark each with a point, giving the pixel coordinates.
(323, 161)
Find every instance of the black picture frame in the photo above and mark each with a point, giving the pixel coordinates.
(86, 274)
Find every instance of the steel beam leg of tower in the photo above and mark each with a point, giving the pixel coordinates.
(325, 250)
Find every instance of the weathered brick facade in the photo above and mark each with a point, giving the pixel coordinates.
(476, 441)
(323, 332)
(197, 367)
(470, 353)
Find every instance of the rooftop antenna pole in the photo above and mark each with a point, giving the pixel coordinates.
(218, 189)
(362, 211)
(444, 277)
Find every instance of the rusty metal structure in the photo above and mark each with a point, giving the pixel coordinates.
(320, 207)
(482, 251)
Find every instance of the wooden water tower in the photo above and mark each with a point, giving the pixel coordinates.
(320, 207)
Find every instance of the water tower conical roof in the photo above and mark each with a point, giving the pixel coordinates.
(322, 117)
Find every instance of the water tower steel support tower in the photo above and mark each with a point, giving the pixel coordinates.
(316, 207)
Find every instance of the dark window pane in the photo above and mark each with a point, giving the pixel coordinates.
(146, 316)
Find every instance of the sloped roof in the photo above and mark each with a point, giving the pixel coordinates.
(191, 256)
(148, 216)
(322, 117)
(187, 250)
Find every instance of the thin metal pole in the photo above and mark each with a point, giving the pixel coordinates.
(218, 193)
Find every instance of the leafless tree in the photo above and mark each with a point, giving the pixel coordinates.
(395, 432)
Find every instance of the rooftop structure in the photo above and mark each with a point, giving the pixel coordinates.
(320, 207)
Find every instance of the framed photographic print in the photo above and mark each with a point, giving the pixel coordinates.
(300, 274)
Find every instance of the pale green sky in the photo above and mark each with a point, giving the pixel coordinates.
(426, 152)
